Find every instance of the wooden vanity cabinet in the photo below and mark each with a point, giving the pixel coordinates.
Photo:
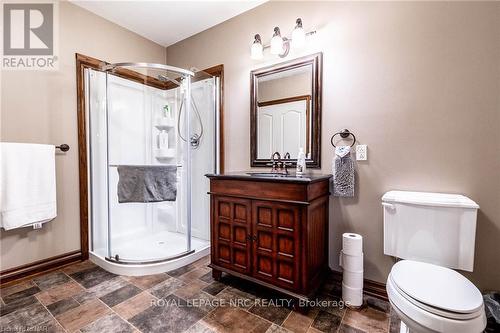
(273, 231)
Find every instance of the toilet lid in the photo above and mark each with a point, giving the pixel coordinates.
(437, 286)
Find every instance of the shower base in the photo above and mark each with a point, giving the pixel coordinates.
(152, 247)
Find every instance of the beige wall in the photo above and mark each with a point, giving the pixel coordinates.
(41, 107)
(419, 83)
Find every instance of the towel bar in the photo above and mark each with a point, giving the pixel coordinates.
(63, 147)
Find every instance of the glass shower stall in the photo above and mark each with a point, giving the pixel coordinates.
(150, 116)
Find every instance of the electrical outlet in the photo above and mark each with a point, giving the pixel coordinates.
(361, 153)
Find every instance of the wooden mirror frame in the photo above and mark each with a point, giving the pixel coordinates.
(316, 61)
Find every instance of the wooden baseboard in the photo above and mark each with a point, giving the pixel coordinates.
(375, 289)
(370, 287)
(40, 266)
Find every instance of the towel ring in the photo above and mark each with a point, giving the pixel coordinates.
(343, 134)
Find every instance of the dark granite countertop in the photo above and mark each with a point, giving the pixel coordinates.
(267, 176)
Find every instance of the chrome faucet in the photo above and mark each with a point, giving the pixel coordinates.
(286, 164)
(276, 165)
(279, 165)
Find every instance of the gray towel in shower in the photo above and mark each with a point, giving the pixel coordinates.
(147, 183)
(343, 172)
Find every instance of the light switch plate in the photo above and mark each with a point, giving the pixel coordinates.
(361, 152)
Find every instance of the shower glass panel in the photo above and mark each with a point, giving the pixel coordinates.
(95, 100)
(147, 117)
(204, 152)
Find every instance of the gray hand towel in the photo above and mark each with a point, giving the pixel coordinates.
(147, 183)
(343, 172)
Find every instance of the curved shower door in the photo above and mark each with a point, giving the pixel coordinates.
(144, 120)
(143, 135)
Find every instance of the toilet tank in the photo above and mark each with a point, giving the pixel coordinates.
(435, 228)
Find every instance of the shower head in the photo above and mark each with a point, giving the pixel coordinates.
(165, 78)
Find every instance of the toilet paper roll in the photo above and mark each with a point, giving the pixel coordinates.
(351, 263)
(352, 244)
(352, 296)
(353, 279)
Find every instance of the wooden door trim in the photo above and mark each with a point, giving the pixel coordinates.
(218, 71)
(83, 62)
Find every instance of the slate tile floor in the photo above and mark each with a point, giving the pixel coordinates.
(85, 298)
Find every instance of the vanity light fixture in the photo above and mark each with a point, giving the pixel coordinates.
(256, 49)
(280, 45)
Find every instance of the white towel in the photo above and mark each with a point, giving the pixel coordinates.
(342, 151)
(27, 183)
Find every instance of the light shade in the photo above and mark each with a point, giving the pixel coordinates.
(276, 42)
(256, 51)
(298, 35)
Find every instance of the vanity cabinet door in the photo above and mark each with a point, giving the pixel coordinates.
(276, 239)
(231, 234)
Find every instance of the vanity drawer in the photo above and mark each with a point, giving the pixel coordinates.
(260, 190)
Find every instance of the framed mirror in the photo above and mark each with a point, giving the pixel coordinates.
(285, 111)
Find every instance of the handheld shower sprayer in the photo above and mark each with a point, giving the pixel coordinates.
(195, 138)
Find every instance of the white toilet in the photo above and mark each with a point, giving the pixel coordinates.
(434, 233)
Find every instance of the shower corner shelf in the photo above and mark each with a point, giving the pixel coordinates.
(165, 153)
(163, 123)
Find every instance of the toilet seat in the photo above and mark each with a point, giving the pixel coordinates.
(436, 286)
(435, 310)
(435, 297)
